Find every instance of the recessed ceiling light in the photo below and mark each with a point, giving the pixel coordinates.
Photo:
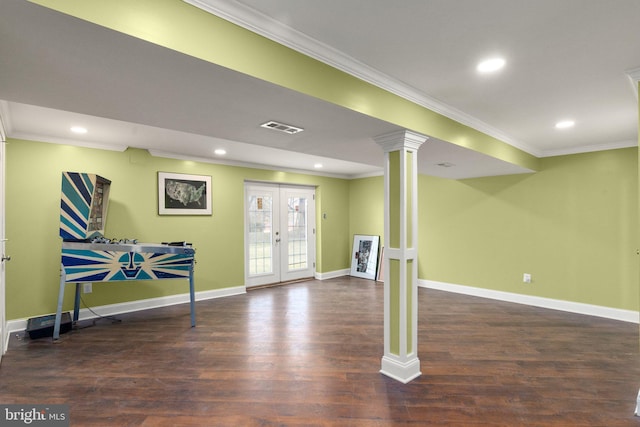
(490, 65)
(318, 166)
(220, 151)
(565, 124)
(78, 129)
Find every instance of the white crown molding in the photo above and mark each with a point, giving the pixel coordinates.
(634, 74)
(66, 141)
(589, 148)
(368, 175)
(634, 78)
(5, 120)
(176, 156)
(7, 132)
(268, 27)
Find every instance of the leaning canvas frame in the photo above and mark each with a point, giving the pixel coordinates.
(364, 256)
(380, 274)
(183, 194)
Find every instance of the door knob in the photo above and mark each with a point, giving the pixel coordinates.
(6, 258)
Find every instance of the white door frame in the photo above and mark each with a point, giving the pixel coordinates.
(287, 191)
(280, 272)
(3, 320)
(262, 189)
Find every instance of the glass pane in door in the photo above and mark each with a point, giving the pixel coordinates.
(260, 234)
(297, 233)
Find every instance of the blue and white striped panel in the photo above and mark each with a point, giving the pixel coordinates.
(82, 265)
(75, 204)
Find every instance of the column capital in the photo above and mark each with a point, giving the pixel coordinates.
(400, 139)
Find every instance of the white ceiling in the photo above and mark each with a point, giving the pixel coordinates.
(565, 59)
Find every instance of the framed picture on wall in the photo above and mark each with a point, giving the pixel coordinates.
(364, 257)
(182, 194)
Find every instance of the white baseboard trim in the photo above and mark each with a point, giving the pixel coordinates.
(405, 372)
(332, 274)
(19, 325)
(568, 306)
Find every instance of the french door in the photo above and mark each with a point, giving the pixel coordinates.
(279, 233)
(3, 320)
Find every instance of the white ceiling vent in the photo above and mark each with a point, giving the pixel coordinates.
(291, 130)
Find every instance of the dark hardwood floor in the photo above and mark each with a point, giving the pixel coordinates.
(308, 354)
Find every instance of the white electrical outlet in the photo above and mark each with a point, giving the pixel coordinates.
(87, 288)
(526, 278)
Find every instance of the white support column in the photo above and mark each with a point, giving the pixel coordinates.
(634, 75)
(400, 360)
(4, 336)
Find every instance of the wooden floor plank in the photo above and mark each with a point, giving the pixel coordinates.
(309, 354)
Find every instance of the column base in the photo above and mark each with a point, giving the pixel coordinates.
(399, 371)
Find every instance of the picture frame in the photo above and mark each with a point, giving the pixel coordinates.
(364, 256)
(184, 194)
(380, 275)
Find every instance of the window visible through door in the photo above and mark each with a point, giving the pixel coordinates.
(279, 233)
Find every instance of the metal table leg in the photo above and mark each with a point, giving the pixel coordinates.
(192, 296)
(56, 327)
(76, 305)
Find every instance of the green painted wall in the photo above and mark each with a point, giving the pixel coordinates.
(573, 226)
(33, 208)
(366, 207)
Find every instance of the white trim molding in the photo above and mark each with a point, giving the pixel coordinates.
(332, 274)
(634, 78)
(4, 335)
(272, 29)
(19, 325)
(589, 148)
(250, 165)
(553, 304)
(259, 23)
(4, 121)
(68, 141)
(399, 370)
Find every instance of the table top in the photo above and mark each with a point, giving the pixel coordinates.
(130, 247)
